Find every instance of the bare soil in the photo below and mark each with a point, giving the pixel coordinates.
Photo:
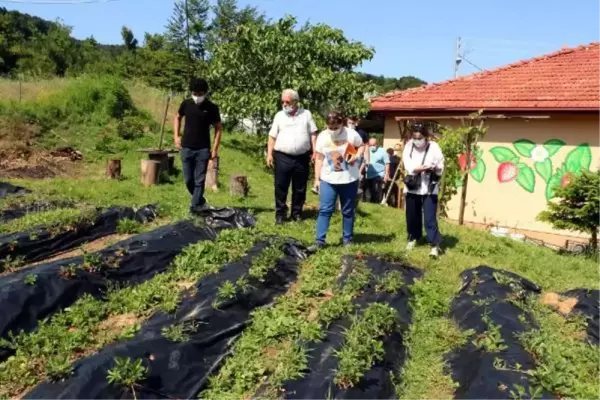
(563, 305)
(95, 245)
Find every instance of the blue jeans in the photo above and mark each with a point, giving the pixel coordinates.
(328, 194)
(195, 164)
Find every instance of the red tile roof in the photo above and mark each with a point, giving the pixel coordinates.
(568, 79)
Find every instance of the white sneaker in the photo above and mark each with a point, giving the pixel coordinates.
(435, 252)
(411, 245)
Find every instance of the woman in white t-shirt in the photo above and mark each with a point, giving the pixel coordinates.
(336, 174)
(423, 158)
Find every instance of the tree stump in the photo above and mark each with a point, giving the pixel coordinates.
(212, 175)
(113, 169)
(238, 185)
(150, 170)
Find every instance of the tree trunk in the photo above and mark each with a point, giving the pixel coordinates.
(594, 241)
(212, 175)
(150, 170)
(238, 185)
(463, 192)
(113, 169)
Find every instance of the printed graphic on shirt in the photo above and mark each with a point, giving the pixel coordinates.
(337, 154)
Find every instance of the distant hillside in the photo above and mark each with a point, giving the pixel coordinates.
(386, 84)
(37, 47)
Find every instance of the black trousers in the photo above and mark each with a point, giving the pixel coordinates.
(294, 170)
(195, 163)
(374, 190)
(417, 207)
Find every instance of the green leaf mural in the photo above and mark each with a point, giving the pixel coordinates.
(554, 182)
(526, 177)
(544, 169)
(524, 147)
(579, 158)
(553, 146)
(503, 154)
(478, 172)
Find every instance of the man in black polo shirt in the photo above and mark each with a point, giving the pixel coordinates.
(200, 114)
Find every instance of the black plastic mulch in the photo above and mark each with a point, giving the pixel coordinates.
(6, 189)
(44, 242)
(490, 371)
(226, 217)
(128, 262)
(318, 379)
(136, 260)
(15, 212)
(588, 302)
(181, 369)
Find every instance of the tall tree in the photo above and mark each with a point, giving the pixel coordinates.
(227, 17)
(197, 23)
(249, 72)
(129, 40)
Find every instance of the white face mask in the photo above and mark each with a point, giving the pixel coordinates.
(351, 125)
(288, 109)
(198, 99)
(337, 132)
(419, 142)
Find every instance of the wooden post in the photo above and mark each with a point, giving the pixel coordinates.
(164, 120)
(150, 170)
(212, 175)
(238, 185)
(113, 169)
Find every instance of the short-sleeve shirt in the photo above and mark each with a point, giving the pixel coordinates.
(377, 162)
(335, 169)
(198, 120)
(292, 132)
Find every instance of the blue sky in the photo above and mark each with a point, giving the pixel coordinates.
(410, 37)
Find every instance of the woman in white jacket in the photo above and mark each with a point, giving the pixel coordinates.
(424, 165)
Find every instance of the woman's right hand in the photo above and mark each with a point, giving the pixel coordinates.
(270, 160)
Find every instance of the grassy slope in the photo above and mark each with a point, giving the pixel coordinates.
(378, 230)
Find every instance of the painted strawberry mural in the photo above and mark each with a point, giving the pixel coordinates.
(477, 168)
(511, 168)
(462, 162)
(566, 179)
(507, 172)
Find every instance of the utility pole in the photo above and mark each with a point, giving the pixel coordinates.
(457, 57)
(187, 33)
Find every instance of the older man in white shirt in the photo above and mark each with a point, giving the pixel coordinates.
(291, 143)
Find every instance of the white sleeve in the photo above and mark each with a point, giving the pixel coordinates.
(275, 127)
(356, 139)
(319, 144)
(439, 160)
(409, 164)
(311, 123)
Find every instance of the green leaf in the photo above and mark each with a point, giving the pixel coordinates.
(579, 158)
(553, 182)
(478, 173)
(544, 169)
(503, 154)
(553, 146)
(524, 147)
(526, 177)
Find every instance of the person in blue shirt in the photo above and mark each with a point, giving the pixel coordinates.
(378, 171)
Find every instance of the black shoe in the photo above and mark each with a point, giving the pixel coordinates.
(279, 220)
(315, 247)
(198, 210)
